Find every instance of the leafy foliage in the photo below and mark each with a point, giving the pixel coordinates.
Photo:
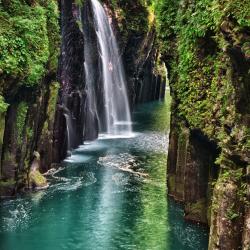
(28, 38)
(20, 123)
(191, 39)
(3, 105)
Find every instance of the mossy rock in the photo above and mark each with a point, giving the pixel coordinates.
(2, 126)
(171, 184)
(196, 211)
(37, 180)
(7, 183)
(7, 188)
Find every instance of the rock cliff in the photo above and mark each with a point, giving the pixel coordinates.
(29, 45)
(205, 45)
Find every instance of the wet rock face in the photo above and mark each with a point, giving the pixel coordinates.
(28, 121)
(71, 76)
(71, 63)
(226, 220)
(199, 173)
(28, 127)
(208, 171)
(191, 155)
(246, 230)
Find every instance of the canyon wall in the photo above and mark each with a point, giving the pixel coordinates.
(29, 45)
(43, 105)
(206, 47)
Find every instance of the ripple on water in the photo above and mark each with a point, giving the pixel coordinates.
(147, 142)
(120, 179)
(16, 215)
(84, 179)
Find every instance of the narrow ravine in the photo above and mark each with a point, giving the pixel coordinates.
(95, 154)
(110, 194)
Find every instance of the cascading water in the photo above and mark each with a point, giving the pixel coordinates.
(116, 105)
(70, 130)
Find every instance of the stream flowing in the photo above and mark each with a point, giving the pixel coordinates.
(110, 194)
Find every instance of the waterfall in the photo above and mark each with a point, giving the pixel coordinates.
(69, 128)
(117, 116)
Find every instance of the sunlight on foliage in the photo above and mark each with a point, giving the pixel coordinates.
(25, 39)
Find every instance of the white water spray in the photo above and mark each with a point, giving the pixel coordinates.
(70, 130)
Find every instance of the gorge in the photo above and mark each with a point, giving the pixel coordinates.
(89, 133)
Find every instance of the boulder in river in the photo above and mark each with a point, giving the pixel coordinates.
(37, 180)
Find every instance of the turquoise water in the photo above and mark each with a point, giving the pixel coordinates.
(111, 194)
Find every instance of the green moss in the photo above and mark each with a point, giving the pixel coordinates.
(54, 88)
(37, 179)
(232, 177)
(231, 214)
(20, 122)
(197, 210)
(2, 128)
(132, 17)
(79, 2)
(29, 133)
(8, 156)
(165, 12)
(171, 183)
(28, 39)
(3, 105)
(10, 182)
(209, 213)
(51, 109)
(204, 84)
(53, 32)
(45, 131)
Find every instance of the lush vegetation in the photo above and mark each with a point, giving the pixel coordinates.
(131, 18)
(3, 105)
(196, 39)
(28, 40)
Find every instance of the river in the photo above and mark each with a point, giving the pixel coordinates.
(110, 194)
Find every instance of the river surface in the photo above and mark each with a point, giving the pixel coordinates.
(110, 194)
